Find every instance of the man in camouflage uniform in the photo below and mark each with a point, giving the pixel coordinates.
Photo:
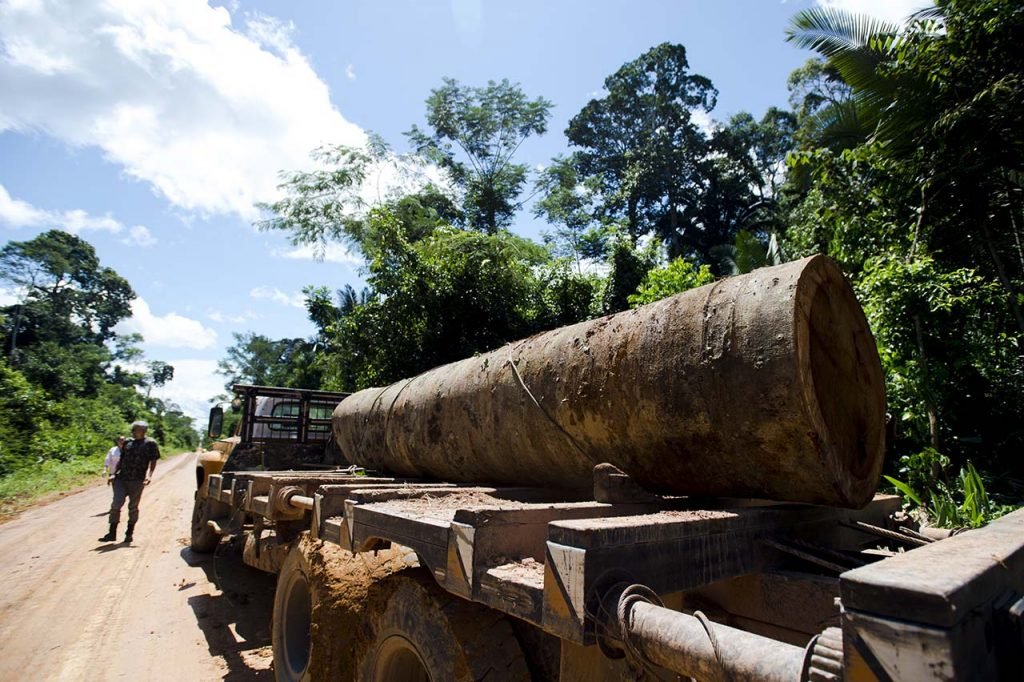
(134, 471)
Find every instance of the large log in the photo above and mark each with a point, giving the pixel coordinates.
(764, 385)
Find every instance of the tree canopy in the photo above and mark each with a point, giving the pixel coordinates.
(68, 382)
(899, 156)
(474, 134)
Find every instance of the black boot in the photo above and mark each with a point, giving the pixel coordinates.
(112, 535)
(128, 532)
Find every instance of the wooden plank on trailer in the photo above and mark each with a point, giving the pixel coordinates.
(333, 530)
(334, 495)
(258, 504)
(485, 536)
(515, 588)
(942, 583)
(412, 491)
(427, 536)
(677, 524)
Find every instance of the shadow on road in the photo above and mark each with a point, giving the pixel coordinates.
(236, 622)
(111, 547)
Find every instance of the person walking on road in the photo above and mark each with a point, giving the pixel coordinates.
(112, 458)
(134, 471)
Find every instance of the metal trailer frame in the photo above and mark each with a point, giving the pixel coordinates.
(714, 589)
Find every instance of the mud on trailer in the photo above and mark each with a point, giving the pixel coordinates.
(473, 582)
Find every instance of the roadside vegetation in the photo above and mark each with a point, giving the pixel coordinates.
(69, 384)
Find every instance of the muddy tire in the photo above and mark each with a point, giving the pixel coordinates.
(204, 540)
(423, 634)
(320, 609)
(293, 618)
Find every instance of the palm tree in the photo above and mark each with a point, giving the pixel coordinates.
(858, 48)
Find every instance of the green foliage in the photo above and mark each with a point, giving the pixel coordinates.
(747, 253)
(922, 209)
(567, 203)
(439, 299)
(568, 296)
(68, 295)
(629, 267)
(64, 395)
(261, 361)
(642, 161)
(21, 488)
(77, 427)
(21, 404)
(56, 333)
(949, 502)
(474, 135)
(677, 276)
(639, 146)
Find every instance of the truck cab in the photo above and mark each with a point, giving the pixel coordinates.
(280, 429)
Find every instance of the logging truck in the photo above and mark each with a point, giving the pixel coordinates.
(684, 490)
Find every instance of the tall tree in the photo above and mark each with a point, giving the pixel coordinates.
(568, 204)
(474, 134)
(641, 144)
(66, 295)
(69, 303)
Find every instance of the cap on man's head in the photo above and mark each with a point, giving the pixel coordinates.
(139, 425)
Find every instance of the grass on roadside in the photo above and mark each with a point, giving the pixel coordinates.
(25, 487)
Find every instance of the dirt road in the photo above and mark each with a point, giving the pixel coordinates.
(72, 608)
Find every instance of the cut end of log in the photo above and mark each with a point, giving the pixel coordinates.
(842, 381)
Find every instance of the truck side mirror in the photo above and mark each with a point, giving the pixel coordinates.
(216, 421)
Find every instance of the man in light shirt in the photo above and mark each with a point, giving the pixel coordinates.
(112, 458)
(134, 472)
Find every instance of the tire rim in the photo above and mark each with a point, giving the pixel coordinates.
(398, 661)
(296, 631)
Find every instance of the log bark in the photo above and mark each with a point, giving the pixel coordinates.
(765, 385)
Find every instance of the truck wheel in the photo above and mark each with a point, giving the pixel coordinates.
(204, 540)
(424, 634)
(320, 608)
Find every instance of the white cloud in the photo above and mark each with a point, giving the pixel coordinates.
(194, 385)
(17, 213)
(204, 111)
(218, 316)
(350, 72)
(139, 235)
(296, 300)
(170, 331)
(270, 32)
(891, 10)
(327, 253)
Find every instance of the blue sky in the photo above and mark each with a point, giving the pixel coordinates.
(151, 127)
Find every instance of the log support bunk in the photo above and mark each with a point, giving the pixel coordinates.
(700, 587)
